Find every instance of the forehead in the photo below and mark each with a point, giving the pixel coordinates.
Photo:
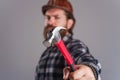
(55, 11)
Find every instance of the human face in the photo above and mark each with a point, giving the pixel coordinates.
(53, 18)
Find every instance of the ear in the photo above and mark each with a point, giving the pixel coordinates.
(69, 24)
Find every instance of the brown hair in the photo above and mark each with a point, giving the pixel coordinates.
(70, 16)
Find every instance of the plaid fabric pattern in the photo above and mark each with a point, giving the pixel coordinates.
(51, 63)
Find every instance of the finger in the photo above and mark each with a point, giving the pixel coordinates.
(82, 72)
(66, 72)
(78, 73)
(87, 78)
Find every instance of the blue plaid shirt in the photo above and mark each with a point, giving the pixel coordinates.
(51, 63)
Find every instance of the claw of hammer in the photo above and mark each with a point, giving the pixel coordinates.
(53, 35)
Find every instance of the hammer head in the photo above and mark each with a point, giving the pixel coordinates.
(53, 36)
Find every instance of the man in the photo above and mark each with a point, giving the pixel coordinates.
(52, 65)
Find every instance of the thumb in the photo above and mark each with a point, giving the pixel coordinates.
(66, 72)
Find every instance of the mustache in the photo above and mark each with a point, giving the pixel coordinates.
(49, 27)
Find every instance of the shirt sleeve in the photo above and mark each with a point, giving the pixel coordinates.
(81, 55)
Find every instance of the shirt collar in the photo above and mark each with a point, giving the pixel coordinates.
(67, 38)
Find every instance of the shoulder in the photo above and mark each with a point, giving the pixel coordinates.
(77, 42)
(77, 46)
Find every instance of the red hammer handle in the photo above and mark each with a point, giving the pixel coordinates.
(66, 54)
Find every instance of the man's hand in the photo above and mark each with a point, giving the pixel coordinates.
(82, 72)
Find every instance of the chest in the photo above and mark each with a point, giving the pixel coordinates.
(53, 58)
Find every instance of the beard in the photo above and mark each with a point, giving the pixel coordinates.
(49, 28)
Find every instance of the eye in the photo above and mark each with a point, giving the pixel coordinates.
(57, 17)
(47, 17)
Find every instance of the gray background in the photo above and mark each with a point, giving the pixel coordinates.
(21, 26)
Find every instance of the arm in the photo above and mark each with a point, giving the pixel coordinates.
(87, 66)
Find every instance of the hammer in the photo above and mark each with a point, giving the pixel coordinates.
(54, 37)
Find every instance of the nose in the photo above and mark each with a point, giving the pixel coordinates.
(51, 21)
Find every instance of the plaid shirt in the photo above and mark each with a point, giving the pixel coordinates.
(51, 64)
